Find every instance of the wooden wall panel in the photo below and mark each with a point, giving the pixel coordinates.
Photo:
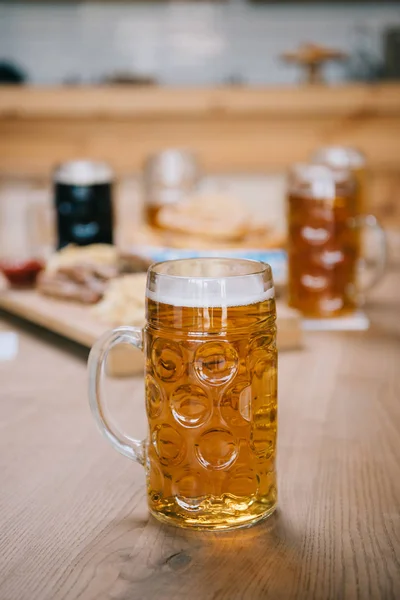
(231, 130)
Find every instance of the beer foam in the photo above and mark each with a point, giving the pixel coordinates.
(83, 172)
(340, 157)
(198, 292)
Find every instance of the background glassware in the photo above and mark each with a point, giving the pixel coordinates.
(26, 229)
(169, 176)
(342, 157)
(324, 242)
(83, 202)
(345, 157)
(211, 392)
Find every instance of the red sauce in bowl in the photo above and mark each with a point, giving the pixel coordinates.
(21, 273)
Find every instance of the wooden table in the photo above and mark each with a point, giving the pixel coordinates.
(73, 518)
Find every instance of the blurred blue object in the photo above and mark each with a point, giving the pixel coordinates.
(277, 259)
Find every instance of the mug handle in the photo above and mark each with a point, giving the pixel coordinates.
(126, 445)
(377, 272)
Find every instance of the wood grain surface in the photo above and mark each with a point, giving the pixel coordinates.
(117, 101)
(73, 518)
(231, 129)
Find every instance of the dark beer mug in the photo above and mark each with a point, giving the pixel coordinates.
(83, 203)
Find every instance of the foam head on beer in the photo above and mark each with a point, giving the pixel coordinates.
(210, 283)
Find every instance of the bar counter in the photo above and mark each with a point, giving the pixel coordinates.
(73, 517)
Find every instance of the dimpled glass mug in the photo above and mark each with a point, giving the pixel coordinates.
(325, 243)
(211, 392)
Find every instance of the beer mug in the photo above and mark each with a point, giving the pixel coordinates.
(210, 389)
(324, 242)
(83, 203)
(343, 157)
(169, 177)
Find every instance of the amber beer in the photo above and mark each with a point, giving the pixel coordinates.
(211, 392)
(211, 407)
(323, 242)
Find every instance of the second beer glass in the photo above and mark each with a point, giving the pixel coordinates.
(324, 241)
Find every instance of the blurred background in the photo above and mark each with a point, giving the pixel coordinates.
(194, 43)
(249, 87)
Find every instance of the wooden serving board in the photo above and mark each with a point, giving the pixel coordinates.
(73, 321)
(76, 322)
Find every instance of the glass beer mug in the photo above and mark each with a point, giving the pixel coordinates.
(343, 157)
(211, 392)
(169, 177)
(324, 242)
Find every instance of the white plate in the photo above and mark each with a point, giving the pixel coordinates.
(358, 321)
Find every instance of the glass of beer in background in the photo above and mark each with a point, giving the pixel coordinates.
(324, 247)
(169, 176)
(211, 392)
(342, 157)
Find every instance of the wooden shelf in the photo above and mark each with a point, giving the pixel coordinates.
(123, 101)
(231, 129)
